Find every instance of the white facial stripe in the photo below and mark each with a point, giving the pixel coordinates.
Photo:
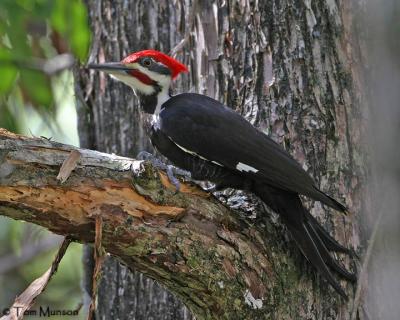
(162, 79)
(162, 97)
(134, 83)
(246, 168)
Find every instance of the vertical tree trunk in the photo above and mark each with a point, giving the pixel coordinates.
(285, 65)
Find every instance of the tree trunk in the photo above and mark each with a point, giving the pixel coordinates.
(288, 67)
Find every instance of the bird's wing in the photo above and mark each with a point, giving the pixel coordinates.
(203, 126)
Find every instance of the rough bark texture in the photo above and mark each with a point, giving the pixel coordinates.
(289, 68)
(189, 241)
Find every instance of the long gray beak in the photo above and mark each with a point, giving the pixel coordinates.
(109, 67)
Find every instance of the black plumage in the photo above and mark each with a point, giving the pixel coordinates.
(201, 135)
(214, 143)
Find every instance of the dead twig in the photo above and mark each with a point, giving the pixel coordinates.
(99, 259)
(68, 165)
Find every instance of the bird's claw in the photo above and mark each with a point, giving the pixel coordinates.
(169, 169)
(174, 180)
(172, 171)
(147, 156)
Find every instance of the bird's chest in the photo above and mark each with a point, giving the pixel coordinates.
(160, 140)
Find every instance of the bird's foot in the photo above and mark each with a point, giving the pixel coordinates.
(169, 169)
(147, 156)
(174, 180)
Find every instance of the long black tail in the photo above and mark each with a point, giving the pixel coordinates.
(311, 238)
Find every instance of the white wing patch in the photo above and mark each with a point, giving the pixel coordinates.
(195, 154)
(246, 168)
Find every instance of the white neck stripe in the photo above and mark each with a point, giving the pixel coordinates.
(162, 97)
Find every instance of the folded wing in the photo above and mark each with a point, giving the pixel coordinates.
(205, 127)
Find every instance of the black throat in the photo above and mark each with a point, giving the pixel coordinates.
(148, 103)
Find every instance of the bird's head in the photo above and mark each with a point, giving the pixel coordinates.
(147, 71)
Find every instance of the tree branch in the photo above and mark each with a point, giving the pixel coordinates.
(215, 261)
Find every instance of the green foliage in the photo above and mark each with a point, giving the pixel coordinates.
(31, 33)
(63, 291)
(32, 99)
(8, 71)
(7, 119)
(40, 93)
(69, 18)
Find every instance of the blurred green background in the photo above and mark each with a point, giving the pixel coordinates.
(40, 42)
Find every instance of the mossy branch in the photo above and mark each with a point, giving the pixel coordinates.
(201, 250)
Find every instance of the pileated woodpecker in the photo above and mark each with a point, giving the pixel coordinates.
(214, 143)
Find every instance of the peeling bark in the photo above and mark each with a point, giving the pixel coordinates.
(216, 262)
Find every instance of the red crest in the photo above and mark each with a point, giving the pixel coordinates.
(175, 66)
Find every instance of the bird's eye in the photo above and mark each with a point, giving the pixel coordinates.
(147, 62)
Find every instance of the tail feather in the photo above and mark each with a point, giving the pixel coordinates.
(310, 237)
(328, 200)
(330, 243)
(329, 260)
(310, 250)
